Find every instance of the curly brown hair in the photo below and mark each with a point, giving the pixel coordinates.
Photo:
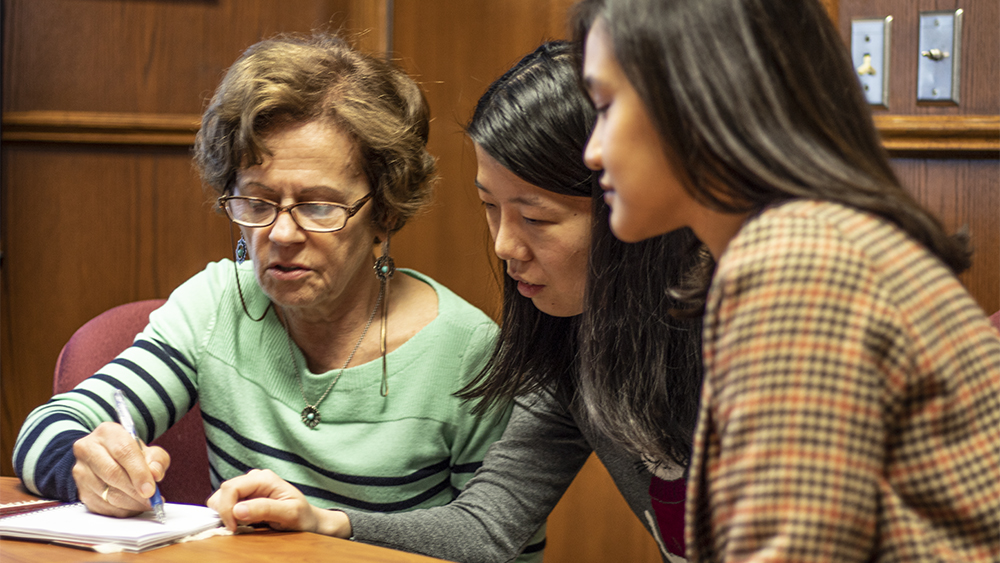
(298, 78)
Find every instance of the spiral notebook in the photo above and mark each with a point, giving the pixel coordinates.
(74, 525)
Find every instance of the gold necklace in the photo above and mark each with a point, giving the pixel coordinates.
(310, 414)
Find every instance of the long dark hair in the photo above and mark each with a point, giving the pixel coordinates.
(534, 121)
(640, 361)
(636, 369)
(758, 100)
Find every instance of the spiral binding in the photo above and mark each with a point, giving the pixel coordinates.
(14, 508)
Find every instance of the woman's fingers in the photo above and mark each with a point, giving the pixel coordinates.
(280, 514)
(112, 474)
(234, 490)
(117, 503)
(103, 498)
(262, 496)
(256, 483)
(158, 461)
(223, 500)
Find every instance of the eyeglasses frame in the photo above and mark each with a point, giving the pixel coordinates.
(352, 210)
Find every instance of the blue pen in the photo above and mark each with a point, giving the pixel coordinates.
(126, 420)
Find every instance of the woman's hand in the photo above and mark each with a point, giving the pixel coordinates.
(262, 496)
(113, 475)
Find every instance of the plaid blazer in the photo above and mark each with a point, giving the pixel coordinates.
(851, 404)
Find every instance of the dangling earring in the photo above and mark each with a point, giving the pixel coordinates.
(385, 267)
(241, 250)
(241, 255)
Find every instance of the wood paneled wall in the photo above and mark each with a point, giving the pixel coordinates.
(947, 155)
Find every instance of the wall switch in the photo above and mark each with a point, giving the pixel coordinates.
(870, 40)
(940, 57)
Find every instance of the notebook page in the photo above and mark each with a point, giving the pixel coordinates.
(73, 523)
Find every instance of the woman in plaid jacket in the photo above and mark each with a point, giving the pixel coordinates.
(851, 400)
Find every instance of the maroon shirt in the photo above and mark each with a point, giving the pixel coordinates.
(668, 503)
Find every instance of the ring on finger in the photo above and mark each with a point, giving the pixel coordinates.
(104, 495)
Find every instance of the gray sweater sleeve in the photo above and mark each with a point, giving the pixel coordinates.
(523, 476)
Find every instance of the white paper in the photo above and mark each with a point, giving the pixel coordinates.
(73, 523)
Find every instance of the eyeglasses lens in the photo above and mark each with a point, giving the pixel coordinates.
(309, 216)
(320, 216)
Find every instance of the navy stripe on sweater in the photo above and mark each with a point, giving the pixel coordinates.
(175, 354)
(290, 457)
(224, 455)
(155, 386)
(156, 349)
(376, 506)
(215, 472)
(32, 437)
(51, 468)
(140, 406)
(467, 467)
(60, 407)
(342, 500)
(106, 406)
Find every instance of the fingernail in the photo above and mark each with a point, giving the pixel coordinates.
(241, 512)
(148, 489)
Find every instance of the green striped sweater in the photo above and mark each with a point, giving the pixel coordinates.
(415, 448)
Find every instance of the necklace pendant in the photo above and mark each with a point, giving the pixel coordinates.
(310, 416)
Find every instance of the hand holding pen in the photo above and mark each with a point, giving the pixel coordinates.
(126, 421)
(114, 473)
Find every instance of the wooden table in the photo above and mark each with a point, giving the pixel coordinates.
(266, 546)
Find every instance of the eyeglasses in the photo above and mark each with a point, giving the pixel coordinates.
(314, 216)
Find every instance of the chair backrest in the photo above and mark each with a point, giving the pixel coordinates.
(100, 341)
(995, 319)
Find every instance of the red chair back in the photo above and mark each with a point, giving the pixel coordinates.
(995, 319)
(98, 342)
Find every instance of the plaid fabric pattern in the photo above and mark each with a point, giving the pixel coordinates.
(851, 404)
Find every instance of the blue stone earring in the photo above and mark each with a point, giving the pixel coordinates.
(241, 250)
(385, 267)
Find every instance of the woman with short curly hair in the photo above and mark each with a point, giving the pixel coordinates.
(305, 365)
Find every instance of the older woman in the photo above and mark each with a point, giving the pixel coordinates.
(303, 361)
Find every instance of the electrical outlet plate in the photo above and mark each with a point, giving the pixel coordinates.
(870, 39)
(940, 56)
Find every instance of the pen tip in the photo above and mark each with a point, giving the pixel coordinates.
(161, 516)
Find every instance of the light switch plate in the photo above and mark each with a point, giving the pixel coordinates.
(940, 56)
(870, 40)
